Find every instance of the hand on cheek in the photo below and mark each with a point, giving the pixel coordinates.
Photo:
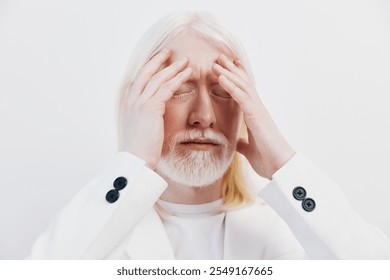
(266, 148)
(153, 86)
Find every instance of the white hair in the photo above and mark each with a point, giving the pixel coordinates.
(160, 34)
(195, 168)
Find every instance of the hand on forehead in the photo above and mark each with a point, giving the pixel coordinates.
(200, 52)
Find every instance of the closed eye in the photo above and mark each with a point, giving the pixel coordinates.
(220, 93)
(184, 90)
(181, 94)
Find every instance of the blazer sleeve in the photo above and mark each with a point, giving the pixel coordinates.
(89, 227)
(320, 216)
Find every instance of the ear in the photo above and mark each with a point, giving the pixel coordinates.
(243, 132)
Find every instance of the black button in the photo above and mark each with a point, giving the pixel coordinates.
(112, 196)
(120, 183)
(308, 204)
(299, 193)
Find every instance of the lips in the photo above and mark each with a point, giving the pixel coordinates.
(200, 141)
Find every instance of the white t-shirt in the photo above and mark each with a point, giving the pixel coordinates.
(195, 231)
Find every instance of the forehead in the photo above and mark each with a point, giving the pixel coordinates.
(196, 48)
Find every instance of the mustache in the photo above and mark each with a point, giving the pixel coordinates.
(207, 135)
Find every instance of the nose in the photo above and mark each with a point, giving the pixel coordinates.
(202, 112)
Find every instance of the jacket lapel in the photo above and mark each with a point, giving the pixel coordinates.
(242, 234)
(149, 240)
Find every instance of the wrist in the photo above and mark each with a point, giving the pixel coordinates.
(279, 161)
(149, 162)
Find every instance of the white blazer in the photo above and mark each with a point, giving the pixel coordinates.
(277, 226)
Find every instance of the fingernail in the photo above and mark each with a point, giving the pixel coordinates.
(219, 67)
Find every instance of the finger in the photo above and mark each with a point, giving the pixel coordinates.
(148, 70)
(126, 91)
(219, 70)
(166, 91)
(245, 83)
(238, 64)
(224, 61)
(242, 98)
(163, 76)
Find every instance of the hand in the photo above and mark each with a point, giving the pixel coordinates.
(266, 149)
(145, 106)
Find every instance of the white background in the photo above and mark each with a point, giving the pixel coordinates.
(322, 68)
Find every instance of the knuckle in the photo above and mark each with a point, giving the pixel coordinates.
(166, 87)
(129, 86)
(148, 73)
(157, 76)
(143, 71)
(235, 89)
(246, 84)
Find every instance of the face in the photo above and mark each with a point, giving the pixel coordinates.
(201, 120)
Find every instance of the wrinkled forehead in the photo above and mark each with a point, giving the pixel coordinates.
(195, 47)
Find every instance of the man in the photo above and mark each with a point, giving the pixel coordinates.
(175, 189)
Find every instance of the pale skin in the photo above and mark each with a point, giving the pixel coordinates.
(193, 84)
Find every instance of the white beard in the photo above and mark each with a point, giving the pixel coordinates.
(195, 168)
